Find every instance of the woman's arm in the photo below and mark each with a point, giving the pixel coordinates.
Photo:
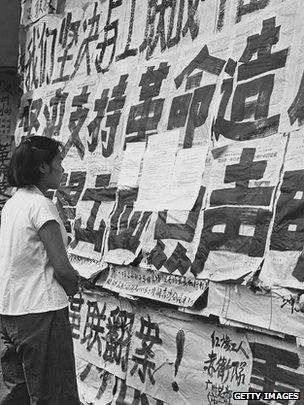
(65, 274)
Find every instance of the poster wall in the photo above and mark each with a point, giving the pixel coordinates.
(162, 356)
(182, 131)
(176, 126)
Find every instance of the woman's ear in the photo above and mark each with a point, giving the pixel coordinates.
(44, 168)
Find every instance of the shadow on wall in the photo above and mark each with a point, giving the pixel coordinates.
(9, 27)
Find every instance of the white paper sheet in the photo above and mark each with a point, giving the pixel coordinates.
(130, 167)
(158, 166)
(186, 178)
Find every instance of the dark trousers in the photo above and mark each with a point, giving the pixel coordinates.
(37, 360)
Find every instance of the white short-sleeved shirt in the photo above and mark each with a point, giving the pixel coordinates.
(27, 282)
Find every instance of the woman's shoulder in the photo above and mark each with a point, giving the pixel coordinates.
(28, 198)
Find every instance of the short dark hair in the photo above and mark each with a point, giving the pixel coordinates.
(24, 165)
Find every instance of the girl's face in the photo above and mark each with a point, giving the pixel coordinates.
(52, 176)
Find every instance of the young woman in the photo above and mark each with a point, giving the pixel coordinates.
(36, 278)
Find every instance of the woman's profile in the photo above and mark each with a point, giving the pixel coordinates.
(37, 356)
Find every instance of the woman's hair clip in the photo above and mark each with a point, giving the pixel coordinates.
(28, 141)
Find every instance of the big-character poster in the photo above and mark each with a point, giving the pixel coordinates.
(182, 124)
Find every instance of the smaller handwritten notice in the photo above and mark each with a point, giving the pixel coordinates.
(175, 290)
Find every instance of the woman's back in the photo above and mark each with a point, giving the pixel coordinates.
(36, 351)
(27, 277)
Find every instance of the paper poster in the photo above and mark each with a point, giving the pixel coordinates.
(130, 167)
(277, 310)
(170, 242)
(113, 81)
(166, 354)
(41, 53)
(292, 107)
(255, 74)
(196, 90)
(175, 240)
(186, 179)
(231, 242)
(95, 385)
(247, 173)
(244, 12)
(91, 223)
(277, 365)
(128, 395)
(119, 256)
(271, 374)
(283, 264)
(174, 290)
(180, 362)
(87, 268)
(157, 171)
(102, 326)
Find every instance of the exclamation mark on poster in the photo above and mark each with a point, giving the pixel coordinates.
(180, 344)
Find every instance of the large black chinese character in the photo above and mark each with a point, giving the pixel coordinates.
(118, 337)
(241, 173)
(178, 231)
(126, 225)
(94, 126)
(127, 51)
(149, 335)
(93, 326)
(108, 42)
(76, 122)
(89, 233)
(51, 33)
(155, 31)
(68, 37)
(152, 36)
(258, 91)
(68, 195)
(55, 117)
(204, 62)
(274, 370)
(42, 46)
(221, 15)
(149, 42)
(177, 261)
(30, 66)
(231, 238)
(91, 36)
(253, 5)
(145, 117)
(288, 227)
(194, 106)
(112, 111)
(35, 109)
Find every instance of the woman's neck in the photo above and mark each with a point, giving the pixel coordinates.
(42, 188)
